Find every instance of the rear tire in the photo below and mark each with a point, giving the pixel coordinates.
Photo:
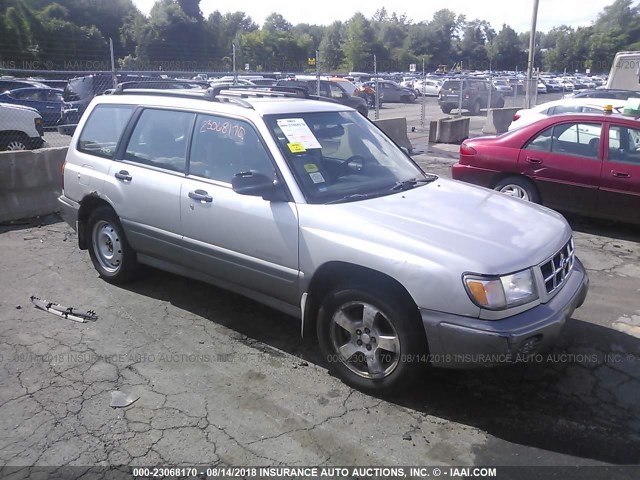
(372, 339)
(446, 109)
(110, 252)
(518, 187)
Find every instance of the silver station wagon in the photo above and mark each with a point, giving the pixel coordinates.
(308, 207)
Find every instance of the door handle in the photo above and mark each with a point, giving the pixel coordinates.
(620, 174)
(536, 161)
(123, 175)
(201, 196)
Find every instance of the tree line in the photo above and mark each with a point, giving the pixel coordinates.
(74, 35)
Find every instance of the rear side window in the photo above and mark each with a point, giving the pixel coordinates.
(160, 139)
(451, 85)
(542, 142)
(102, 131)
(577, 139)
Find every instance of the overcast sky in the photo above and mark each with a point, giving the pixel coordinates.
(516, 13)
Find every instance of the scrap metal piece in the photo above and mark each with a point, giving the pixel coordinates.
(70, 313)
(121, 399)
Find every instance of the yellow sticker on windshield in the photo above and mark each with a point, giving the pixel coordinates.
(296, 147)
(311, 167)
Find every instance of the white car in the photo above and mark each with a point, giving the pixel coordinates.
(566, 84)
(565, 105)
(20, 127)
(427, 87)
(408, 82)
(503, 87)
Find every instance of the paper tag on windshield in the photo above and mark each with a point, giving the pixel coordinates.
(297, 131)
(317, 177)
(296, 148)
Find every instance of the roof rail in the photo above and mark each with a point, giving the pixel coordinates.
(259, 91)
(222, 93)
(210, 94)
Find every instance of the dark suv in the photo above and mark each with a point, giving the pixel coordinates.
(329, 90)
(475, 95)
(79, 92)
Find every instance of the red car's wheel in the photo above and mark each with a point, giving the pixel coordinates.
(518, 187)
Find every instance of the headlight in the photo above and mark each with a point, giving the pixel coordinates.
(498, 293)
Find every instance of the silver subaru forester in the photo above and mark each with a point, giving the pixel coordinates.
(308, 207)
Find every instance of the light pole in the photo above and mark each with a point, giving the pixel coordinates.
(532, 55)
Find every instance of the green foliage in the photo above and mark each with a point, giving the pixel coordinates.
(175, 36)
(358, 44)
(505, 51)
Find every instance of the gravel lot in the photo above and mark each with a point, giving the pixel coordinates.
(222, 380)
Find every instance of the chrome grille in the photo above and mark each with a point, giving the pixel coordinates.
(557, 268)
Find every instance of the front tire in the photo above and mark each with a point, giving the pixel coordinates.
(372, 339)
(14, 142)
(518, 187)
(111, 254)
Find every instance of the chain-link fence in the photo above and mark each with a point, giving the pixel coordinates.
(35, 105)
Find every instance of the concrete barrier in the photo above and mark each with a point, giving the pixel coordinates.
(30, 182)
(396, 129)
(498, 120)
(449, 130)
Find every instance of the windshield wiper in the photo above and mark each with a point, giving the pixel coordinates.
(414, 182)
(358, 196)
(398, 187)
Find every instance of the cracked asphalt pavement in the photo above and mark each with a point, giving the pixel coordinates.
(222, 380)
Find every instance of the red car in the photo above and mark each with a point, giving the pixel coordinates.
(582, 163)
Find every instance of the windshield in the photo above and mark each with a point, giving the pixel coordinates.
(451, 85)
(340, 156)
(78, 89)
(349, 87)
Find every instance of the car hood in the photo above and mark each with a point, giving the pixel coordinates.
(466, 228)
(19, 107)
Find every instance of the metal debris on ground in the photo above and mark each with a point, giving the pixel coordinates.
(70, 313)
(121, 399)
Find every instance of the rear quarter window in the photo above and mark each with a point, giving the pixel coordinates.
(103, 128)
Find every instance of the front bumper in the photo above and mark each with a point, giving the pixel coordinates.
(463, 342)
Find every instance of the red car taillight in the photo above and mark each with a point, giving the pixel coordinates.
(64, 164)
(467, 150)
(516, 117)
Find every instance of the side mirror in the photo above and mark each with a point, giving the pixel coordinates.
(257, 185)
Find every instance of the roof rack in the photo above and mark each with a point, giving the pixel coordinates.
(210, 94)
(260, 91)
(222, 93)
